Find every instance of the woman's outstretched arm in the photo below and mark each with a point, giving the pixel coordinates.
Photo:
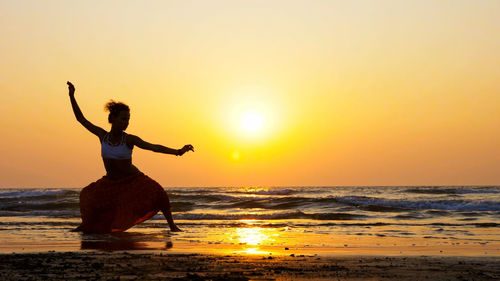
(79, 115)
(137, 141)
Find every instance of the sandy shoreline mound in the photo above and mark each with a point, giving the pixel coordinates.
(156, 266)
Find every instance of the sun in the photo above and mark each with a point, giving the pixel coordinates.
(251, 122)
(250, 117)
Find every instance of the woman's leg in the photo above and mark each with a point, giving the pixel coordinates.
(165, 209)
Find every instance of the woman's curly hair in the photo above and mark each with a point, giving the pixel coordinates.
(114, 108)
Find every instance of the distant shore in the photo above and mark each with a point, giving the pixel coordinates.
(161, 266)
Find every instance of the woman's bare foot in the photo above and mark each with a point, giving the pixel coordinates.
(174, 228)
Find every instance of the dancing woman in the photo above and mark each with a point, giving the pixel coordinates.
(125, 196)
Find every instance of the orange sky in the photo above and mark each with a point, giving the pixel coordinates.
(340, 92)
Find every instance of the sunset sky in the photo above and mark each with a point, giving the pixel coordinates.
(270, 93)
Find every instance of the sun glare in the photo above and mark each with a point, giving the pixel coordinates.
(236, 155)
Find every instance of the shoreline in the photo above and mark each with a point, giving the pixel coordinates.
(246, 240)
(126, 265)
(182, 245)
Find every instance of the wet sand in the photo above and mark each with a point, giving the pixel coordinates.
(169, 266)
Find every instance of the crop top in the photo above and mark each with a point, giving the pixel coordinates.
(120, 151)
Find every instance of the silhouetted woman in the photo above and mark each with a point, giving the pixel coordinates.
(125, 196)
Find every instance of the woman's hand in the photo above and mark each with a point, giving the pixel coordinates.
(71, 88)
(185, 149)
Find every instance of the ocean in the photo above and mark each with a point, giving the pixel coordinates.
(328, 218)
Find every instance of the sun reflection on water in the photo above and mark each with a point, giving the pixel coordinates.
(253, 237)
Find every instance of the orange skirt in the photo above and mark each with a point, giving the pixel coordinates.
(116, 205)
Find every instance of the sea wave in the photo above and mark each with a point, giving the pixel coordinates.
(37, 193)
(273, 216)
(477, 191)
(267, 192)
(456, 205)
(41, 206)
(446, 190)
(293, 203)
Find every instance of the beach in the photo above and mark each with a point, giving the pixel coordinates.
(160, 266)
(282, 233)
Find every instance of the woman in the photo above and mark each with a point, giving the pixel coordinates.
(125, 196)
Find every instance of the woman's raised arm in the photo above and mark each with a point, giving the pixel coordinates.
(98, 131)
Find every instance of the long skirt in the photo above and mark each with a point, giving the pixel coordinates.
(116, 205)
